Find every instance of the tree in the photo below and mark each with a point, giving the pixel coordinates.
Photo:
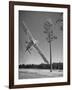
(60, 21)
(48, 26)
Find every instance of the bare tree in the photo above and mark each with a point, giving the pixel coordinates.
(48, 26)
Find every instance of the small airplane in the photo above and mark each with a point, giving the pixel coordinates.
(29, 45)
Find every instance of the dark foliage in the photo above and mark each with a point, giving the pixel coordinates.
(42, 66)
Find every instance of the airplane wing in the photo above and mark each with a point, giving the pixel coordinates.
(27, 32)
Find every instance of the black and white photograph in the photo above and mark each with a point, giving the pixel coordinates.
(39, 47)
(40, 44)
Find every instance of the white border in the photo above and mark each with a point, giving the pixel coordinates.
(16, 33)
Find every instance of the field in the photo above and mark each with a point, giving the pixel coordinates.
(39, 73)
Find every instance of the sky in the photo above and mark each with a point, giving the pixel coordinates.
(35, 21)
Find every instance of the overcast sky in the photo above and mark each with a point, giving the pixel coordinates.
(34, 21)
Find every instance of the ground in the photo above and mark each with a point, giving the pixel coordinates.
(39, 73)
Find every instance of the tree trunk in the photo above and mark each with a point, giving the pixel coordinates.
(50, 58)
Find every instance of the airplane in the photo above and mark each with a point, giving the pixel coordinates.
(29, 45)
